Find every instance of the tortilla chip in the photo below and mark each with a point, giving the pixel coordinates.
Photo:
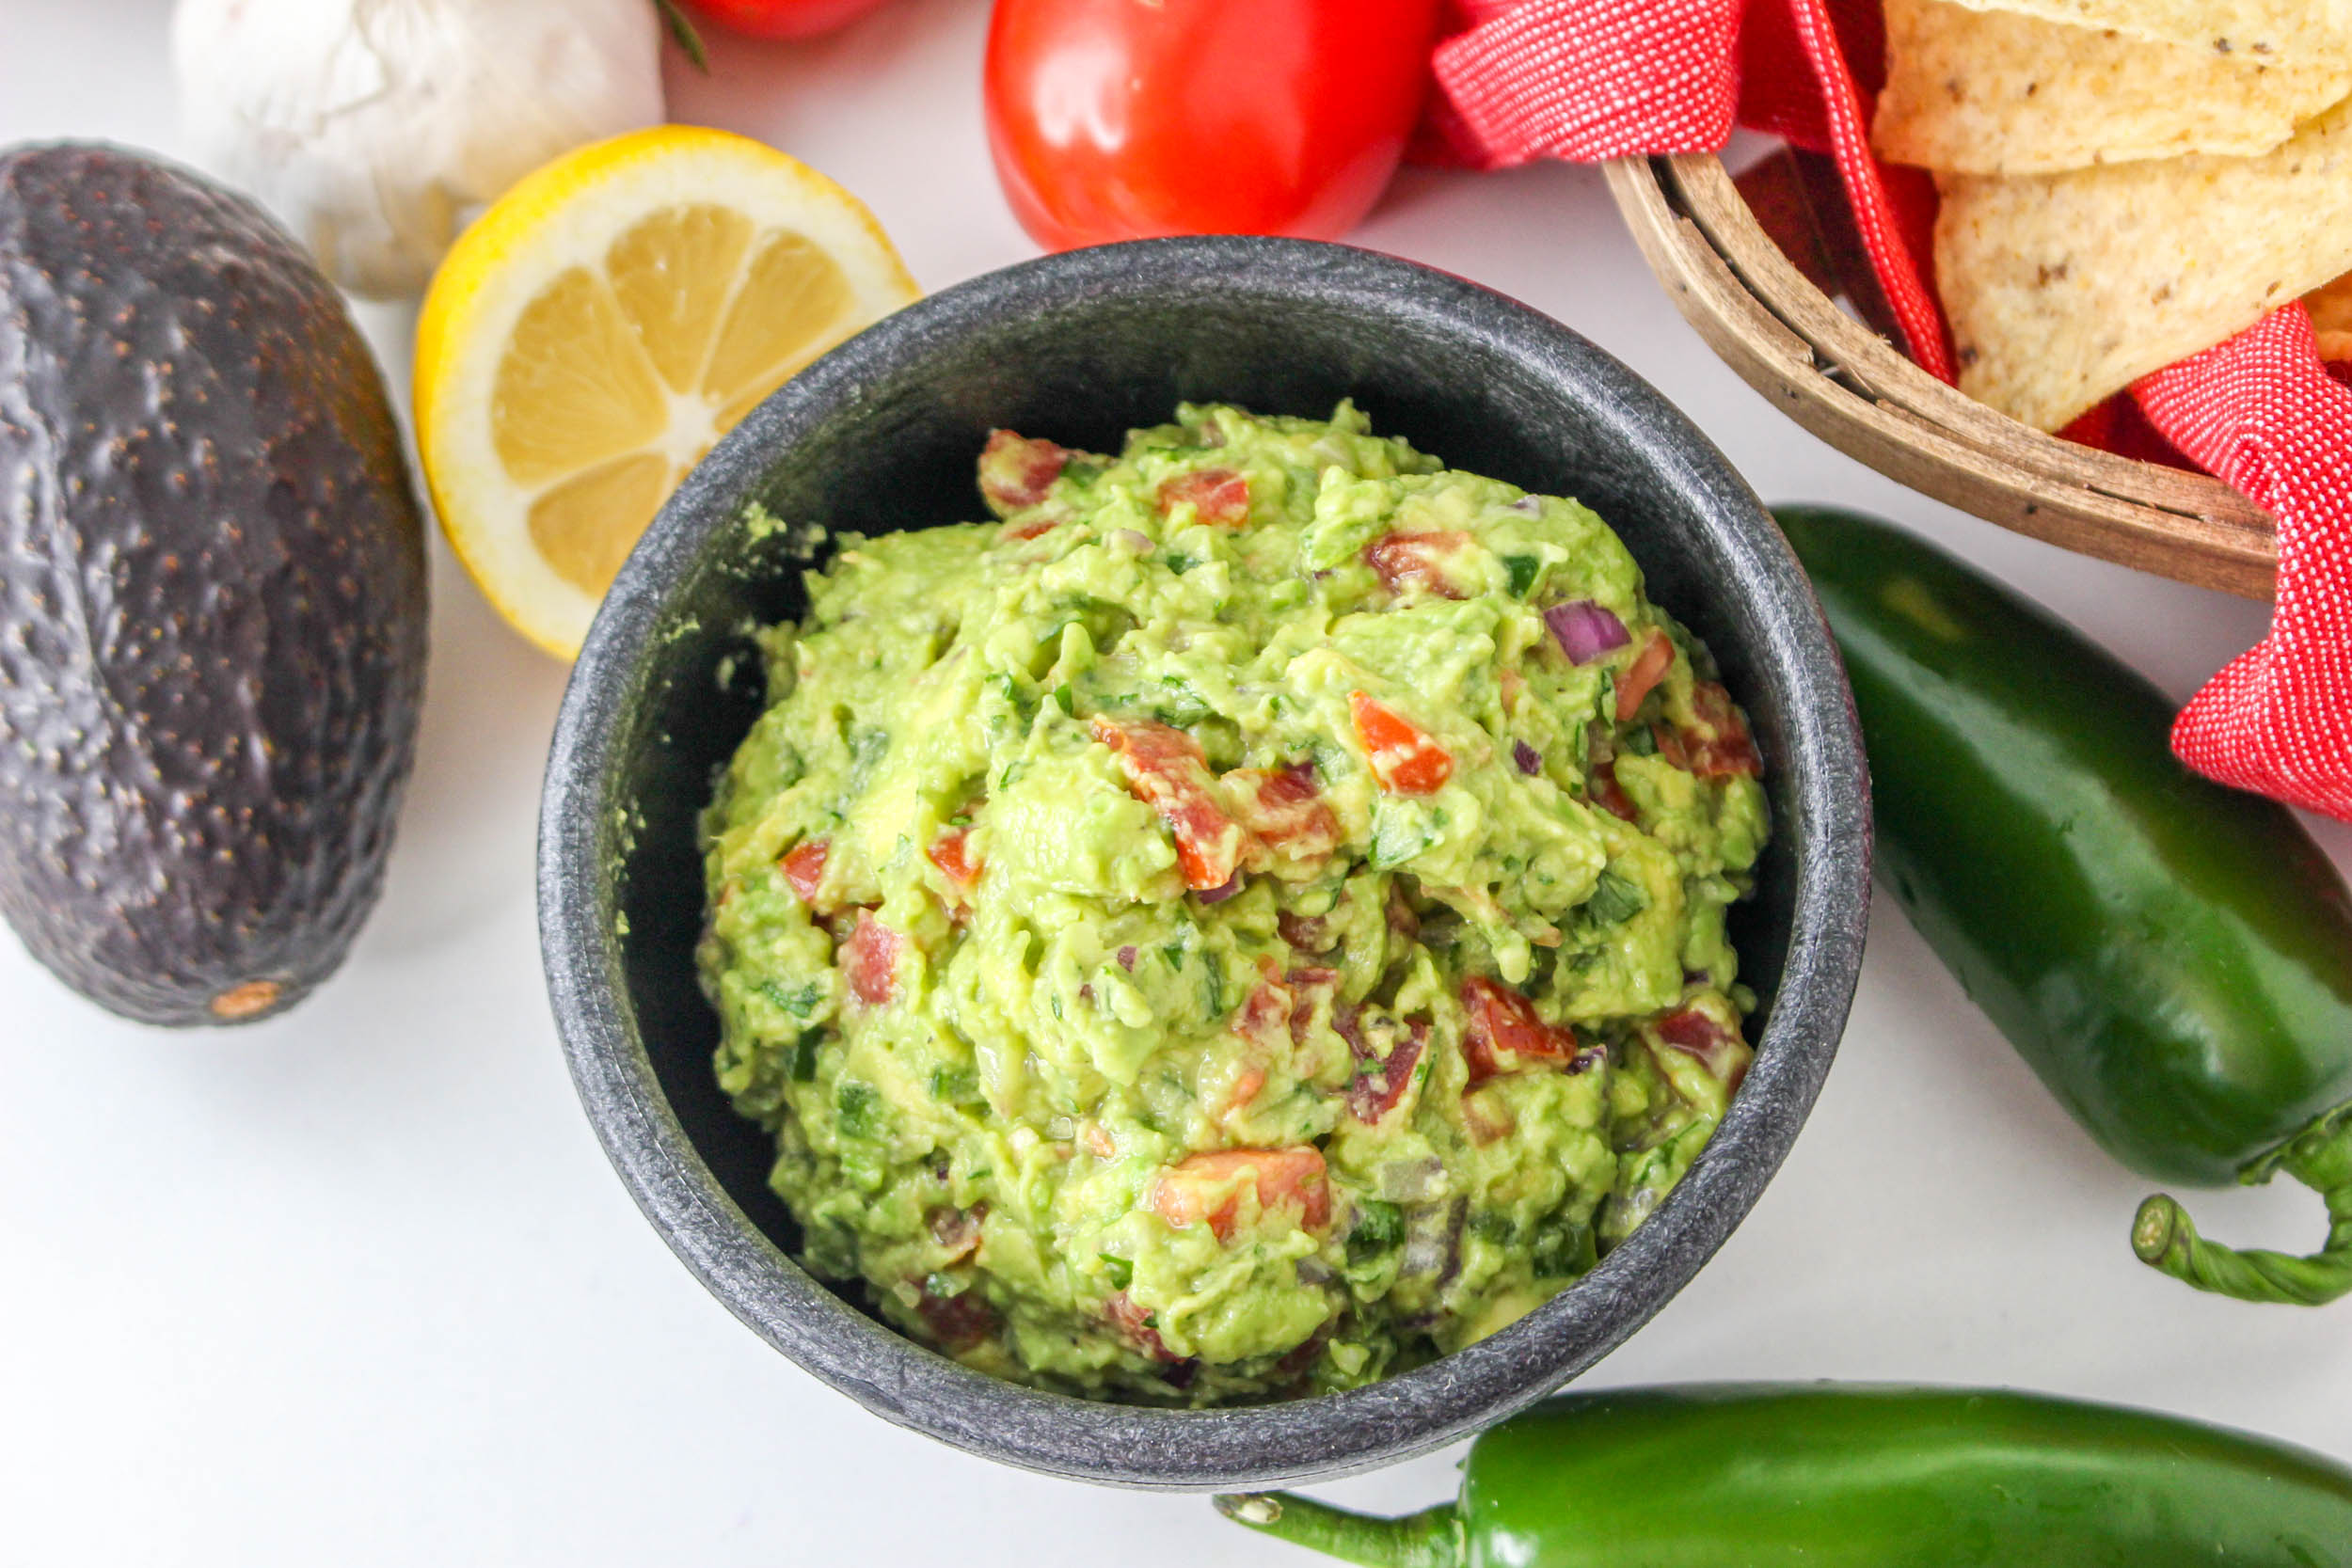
(2281, 30)
(2332, 318)
(1995, 92)
(2064, 288)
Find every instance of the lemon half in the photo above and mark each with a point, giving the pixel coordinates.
(601, 326)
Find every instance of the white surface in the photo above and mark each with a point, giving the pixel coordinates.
(357, 1286)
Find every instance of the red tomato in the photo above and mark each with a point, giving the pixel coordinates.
(1405, 758)
(1642, 676)
(957, 1321)
(1501, 1031)
(1166, 770)
(1015, 471)
(952, 851)
(1714, 1046)
(784, 19)
(1284, 811)
(1122, 119)
(871, 955)
(1203, 1187)
(1727, 749)
(1264, 1015)
(1380, 1081)
(1218, 497)
(1136, 1323)
(1609, 795)
(805, 868)
(1418, 561)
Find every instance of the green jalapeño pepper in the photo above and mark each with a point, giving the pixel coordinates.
(1824, 1476)
(2173, 958)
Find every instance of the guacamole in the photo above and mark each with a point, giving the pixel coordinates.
(1244, 923)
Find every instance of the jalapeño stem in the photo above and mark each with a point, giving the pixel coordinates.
(2320, 1157)
(1430, 1539)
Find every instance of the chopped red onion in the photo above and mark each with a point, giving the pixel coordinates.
(1218, 895)
(1586, 630)
(1127, 960)
(1530, 761)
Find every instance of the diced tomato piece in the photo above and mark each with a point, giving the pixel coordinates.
(1167, 771)
(1418, 562)
(1246, 1086)
(957, 1321)
(1268, 1012)
(1504, 1032)
(1670, 746)
(1283, 809)
(1725, 750)
(1700, 1035)
(1016, 471)
(1649, 668)
(1608, 794)
(871, 958)
(1219, 496)
(1381, 1081)
(1204, 1187)
(1404, 757)
(952, 853)
(805, 868)
(1035, 528)
(1309, 985)
(957, 1229)
(1136, 1325)
(1305, 933)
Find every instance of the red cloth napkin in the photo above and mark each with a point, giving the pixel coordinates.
(2262, 412)
(1588, 80)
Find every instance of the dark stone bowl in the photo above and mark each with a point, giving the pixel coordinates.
(881, 434)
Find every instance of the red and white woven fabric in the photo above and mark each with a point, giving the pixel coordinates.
(1587, 80)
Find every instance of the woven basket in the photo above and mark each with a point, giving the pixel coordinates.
(1847, 384)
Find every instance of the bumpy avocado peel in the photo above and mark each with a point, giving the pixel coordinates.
(212, 602)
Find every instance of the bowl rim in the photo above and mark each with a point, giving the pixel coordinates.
(1318, 1437)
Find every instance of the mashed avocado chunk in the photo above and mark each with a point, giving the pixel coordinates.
(1244, 923)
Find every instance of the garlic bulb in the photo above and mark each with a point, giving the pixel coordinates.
(377, 128)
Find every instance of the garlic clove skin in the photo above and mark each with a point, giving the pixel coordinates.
(376, 129)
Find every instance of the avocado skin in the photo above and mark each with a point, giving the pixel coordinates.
(213, 595)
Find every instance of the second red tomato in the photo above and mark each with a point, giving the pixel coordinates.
(1116, 120)
(784, 19)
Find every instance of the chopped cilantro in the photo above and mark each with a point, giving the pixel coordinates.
(803, 1066)
(859, 1109)
(799, 1000)
(1616, 900)
(1380, 1227)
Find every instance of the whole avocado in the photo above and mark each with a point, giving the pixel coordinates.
(212, 602)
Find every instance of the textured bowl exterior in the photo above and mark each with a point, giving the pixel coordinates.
(881, 434)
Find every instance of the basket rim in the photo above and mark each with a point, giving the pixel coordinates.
(1854, 389)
